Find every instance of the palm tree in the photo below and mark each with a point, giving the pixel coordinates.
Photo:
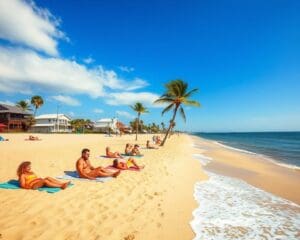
(139, 108)
(163, 126)
(176, 94)
(23, 105)
(37, 102)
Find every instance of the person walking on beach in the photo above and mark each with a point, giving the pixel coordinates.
(86, 170)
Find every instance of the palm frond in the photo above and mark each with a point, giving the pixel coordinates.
(181, 111)
(164, 100)
(190, 93)
(191, 103)
(168, 108)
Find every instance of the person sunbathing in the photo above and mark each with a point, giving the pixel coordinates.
(29, 179)
(157, 140)
(33, 138)
(3, 139)
(128, 149)
(130, 163)
(136, 151)
(86, 170)
(149, 146)
(110, 154)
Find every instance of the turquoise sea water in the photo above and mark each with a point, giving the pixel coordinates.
(283, 147)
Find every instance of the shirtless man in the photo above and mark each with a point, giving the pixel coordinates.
(86, 170)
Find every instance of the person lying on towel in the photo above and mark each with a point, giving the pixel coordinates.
(111, 154)
(86, 170)
(29, 180)
(124, 165)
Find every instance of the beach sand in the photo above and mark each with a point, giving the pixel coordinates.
(155, 203)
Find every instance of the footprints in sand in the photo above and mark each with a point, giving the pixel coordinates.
(129, 237)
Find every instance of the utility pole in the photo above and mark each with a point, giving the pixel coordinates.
(57, 122)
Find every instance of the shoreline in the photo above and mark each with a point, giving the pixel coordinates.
(256, 169)
(245, 196)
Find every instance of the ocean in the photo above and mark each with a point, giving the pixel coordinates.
(283, 147)
(230, 208)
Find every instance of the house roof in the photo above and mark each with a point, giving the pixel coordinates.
(105, 120)
(53, 116)
(4, 108)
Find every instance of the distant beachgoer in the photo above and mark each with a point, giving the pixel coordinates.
(86, 170)
(135, 150)
(3, 139)
(33, 138)
(112, 154)
(130, 163)
(149, 146)
(128, 149)
(29, 180)
(158, 141)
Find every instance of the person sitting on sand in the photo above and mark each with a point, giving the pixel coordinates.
(130, 163)
(3, 139)
(33, 138)
(149, 146)
(86, 170)
(110, 154)
(29, 180)
(136, 151)
(128, 149)
(157, 140)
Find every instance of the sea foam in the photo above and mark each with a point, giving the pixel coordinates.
(232, 209)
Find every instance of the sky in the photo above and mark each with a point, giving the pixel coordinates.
(93, 59)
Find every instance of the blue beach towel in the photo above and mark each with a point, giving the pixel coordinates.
(135, 156)
(72, 175)
(14, 184)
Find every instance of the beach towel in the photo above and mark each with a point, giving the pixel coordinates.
(72, 175)
(14, 184)
(126, 155)
(129, 169)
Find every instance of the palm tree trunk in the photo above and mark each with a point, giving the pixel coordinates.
(170, 126)
(137, 126)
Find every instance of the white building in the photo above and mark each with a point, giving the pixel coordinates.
(102, 125)
(49, 123)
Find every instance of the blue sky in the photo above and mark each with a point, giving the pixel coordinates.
(94, 58)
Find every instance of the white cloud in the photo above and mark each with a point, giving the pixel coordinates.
(8, 103)
(97, 110)
(21, 69)
(129, 98)
(88, 60)
(126, 69)
(114, 82)
(124, 114)
(71, 114)
(66, 100)
(24, 23)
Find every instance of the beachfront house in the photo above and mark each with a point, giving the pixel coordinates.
(106, 125)
(50, 123)
(13, 118)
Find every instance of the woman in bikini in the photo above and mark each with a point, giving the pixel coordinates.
(29, 180)
(130, 163)
(128, 149)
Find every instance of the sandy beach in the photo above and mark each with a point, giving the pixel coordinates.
(156, 203)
